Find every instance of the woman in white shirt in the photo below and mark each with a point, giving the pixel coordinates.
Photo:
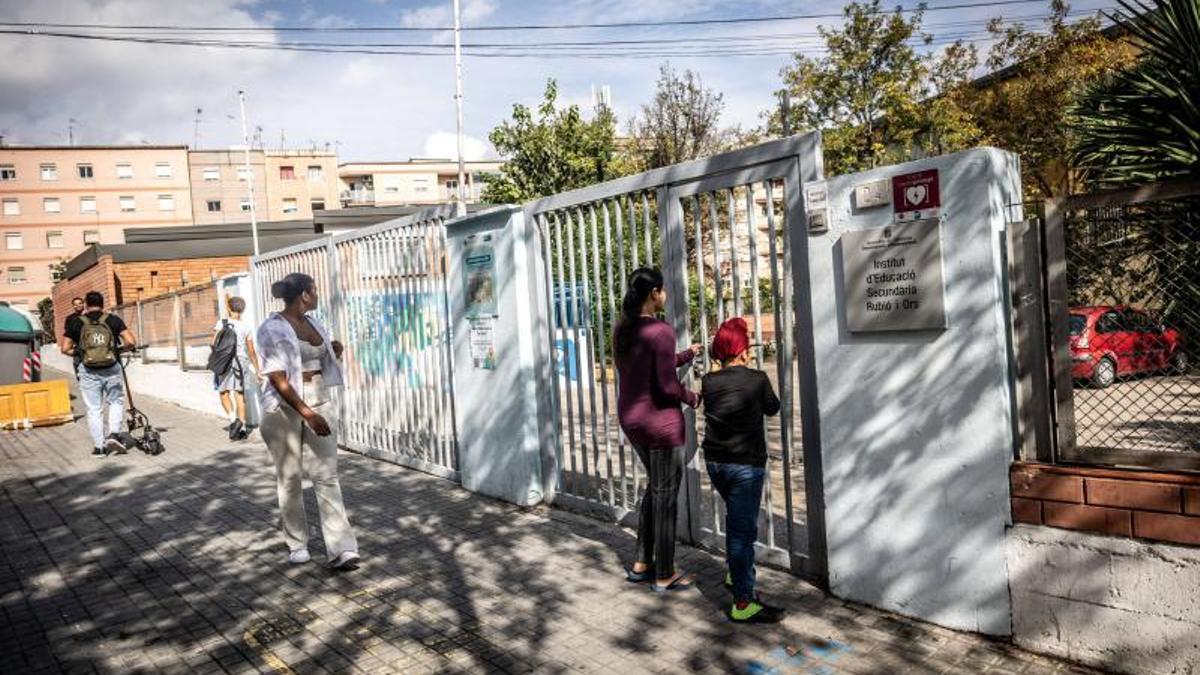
(300, 362)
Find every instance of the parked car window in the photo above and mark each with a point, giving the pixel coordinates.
(1078, 323)
(1109, 323)
(1138, 321)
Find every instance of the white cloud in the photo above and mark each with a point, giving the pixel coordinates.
(444, 144)
(442, 14)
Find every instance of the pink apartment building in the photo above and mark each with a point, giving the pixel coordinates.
(56, 201)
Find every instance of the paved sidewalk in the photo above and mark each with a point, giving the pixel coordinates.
(174, 563)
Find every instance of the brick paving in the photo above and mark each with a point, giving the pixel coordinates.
(174, 564)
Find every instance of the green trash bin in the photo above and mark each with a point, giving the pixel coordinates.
(16, 342)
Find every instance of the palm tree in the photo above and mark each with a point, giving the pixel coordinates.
(1143, 124)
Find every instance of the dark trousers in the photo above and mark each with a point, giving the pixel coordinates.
(741, 486)
(656, 518)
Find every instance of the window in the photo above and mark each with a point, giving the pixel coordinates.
(8, 172)
(124, 171)
(244, 173)
(51, 205)
(162, 169)
(212, 173)
(85, 171)
(128, 204)
(91, 237)
(287, 173)
(214, 205)
(316, 173)
(391, 188)
(289, 205)
(16, 275)
(55, 240)
(318, 205)
(245, 205)
(1078, 323)
(87, 204)
(56, 273)
(13, 241)
(1109, 323)
(49, 172)
(166, 203)
(12, 207)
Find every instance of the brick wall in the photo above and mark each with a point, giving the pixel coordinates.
(98, 277)
(1158, 506)
(140, 280)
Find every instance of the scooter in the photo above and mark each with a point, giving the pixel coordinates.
(143, 434)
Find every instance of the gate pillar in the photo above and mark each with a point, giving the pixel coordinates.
(501, 389)
(909, 338)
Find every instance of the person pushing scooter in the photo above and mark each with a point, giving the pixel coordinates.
(94, 340)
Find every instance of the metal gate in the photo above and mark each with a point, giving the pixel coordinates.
(726, 232)
(383, 293)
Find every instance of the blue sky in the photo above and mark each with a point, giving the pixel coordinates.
(374, 106)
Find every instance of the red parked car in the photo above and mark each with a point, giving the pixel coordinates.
(1108, 341)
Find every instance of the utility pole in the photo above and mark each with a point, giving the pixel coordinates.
(461, 205)
(785, 112)
(249, 171)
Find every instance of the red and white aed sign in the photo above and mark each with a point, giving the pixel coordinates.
(915, 196)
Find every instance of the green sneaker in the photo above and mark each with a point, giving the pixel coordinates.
(729, 580)
(756, 612)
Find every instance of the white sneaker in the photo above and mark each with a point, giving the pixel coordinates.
(346, 560)
(299, 556)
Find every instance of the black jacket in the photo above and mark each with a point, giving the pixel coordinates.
(735, 401)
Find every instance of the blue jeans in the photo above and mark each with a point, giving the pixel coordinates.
(741, 486)
(97, 387)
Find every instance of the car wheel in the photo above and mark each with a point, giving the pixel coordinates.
(1105, 373)
(1179, 362)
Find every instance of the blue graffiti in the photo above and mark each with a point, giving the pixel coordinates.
(799, 660)
(389, 332)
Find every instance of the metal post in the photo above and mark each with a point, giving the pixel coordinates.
(250, 177)
(141, 328)
(461, 204)
(179, 346)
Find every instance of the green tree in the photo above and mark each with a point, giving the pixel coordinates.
(869, 93)
(1037, 75)
(680, 123)
(551, 149)
(1143, 123)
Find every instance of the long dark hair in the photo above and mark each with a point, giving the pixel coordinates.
(643, 282)
(292, 286)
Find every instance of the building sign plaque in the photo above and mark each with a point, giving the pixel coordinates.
(893, 277)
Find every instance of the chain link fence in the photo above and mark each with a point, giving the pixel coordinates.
(1132, 272)
(176, 327)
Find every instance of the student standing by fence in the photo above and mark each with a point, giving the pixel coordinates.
(301, 363)
(648, 405)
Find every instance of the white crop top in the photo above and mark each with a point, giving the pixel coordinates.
(310, 356)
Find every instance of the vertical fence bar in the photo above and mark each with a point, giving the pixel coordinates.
(633, 235)
(598, 341)
(572, 486)
(733, 257)
(752, 231)
(611, 327)
(552, 329)
(646, 230)
(715, 235)
(621, 284)
(576, 311)
(783, 356)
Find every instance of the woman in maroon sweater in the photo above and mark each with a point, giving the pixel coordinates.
(648, 404)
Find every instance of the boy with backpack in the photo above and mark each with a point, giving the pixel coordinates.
(736, 398)
(94, 340)
(231, 359)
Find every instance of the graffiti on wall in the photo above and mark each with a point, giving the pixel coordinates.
(389, 332)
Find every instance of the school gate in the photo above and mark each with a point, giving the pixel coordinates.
(478, 350)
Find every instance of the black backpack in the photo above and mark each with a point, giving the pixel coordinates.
(224, 350)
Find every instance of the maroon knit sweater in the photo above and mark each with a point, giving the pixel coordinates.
(650, 393)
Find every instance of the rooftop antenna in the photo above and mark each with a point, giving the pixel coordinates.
(258, 136)
(196, 130)
(71, 122)
(282, 139)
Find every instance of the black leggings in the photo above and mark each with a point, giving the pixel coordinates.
(657, 513)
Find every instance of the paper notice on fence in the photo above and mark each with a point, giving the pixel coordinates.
(483, 343)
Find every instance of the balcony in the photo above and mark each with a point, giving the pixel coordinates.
(357, 197)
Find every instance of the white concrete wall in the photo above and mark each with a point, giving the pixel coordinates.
(915, 426)
(497, 414)
(1125, 605)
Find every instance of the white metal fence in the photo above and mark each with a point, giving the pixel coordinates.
(382, 291)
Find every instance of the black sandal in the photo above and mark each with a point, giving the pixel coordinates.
(683, 582)
(639, 577)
